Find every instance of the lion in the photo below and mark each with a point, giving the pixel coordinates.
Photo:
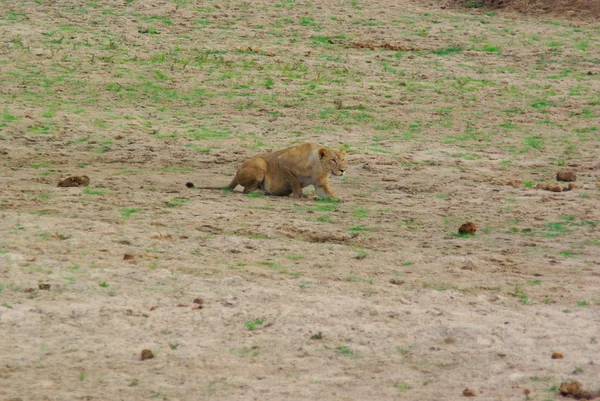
(285, 172)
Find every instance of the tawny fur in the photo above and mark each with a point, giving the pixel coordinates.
(285, 172)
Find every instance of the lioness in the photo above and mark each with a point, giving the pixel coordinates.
(287, 171)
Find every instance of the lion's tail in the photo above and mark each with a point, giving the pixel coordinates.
(231, 185)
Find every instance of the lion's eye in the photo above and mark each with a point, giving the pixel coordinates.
(334, 161)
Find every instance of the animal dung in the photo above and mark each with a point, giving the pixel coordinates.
(146, 354)
(566, 176)
(467, 228)
(75, 181)
(469, 393)
(573, 389)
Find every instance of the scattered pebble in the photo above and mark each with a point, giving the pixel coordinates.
(147, 354)
(467, 228)
(75, 181)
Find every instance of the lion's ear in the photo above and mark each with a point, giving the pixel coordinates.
(323, 152)
(343, 152)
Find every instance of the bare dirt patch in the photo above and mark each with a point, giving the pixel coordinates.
(446, 116)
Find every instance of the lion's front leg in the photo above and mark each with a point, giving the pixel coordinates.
(323, 191)
(294, 184)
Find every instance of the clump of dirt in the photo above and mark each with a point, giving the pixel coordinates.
(45, 287)
(549, 187)
(566, 176)
(575, 8)
(557, 187)
(573, 389)
(317, 336)
(499, 181)
(557, 355)
(469, 393)
(468, 228)
(146, 354)
(255, 50)
(189, 184)
(396, 281)
(75, 181)
(384, 46)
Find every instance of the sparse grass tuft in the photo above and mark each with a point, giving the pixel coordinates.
(253, 324)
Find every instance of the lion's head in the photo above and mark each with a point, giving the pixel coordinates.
(333, 161)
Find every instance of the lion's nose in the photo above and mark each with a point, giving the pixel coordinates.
(342, 171)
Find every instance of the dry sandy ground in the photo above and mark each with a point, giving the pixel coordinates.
(447, 116)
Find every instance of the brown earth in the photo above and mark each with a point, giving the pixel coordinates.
(447, 117)
(580, 9)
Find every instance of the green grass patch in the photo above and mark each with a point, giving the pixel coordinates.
(127, 212)
(176, 202)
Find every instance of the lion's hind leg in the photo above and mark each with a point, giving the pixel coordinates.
(251, 174)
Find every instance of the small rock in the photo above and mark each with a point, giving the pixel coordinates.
(127, 257)
(396, 281)
(469, 393)
(75, 181)
(557, 355)
(467, 228)
(189, 184)
(566, 176)
(147, 354)
(44, 287)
